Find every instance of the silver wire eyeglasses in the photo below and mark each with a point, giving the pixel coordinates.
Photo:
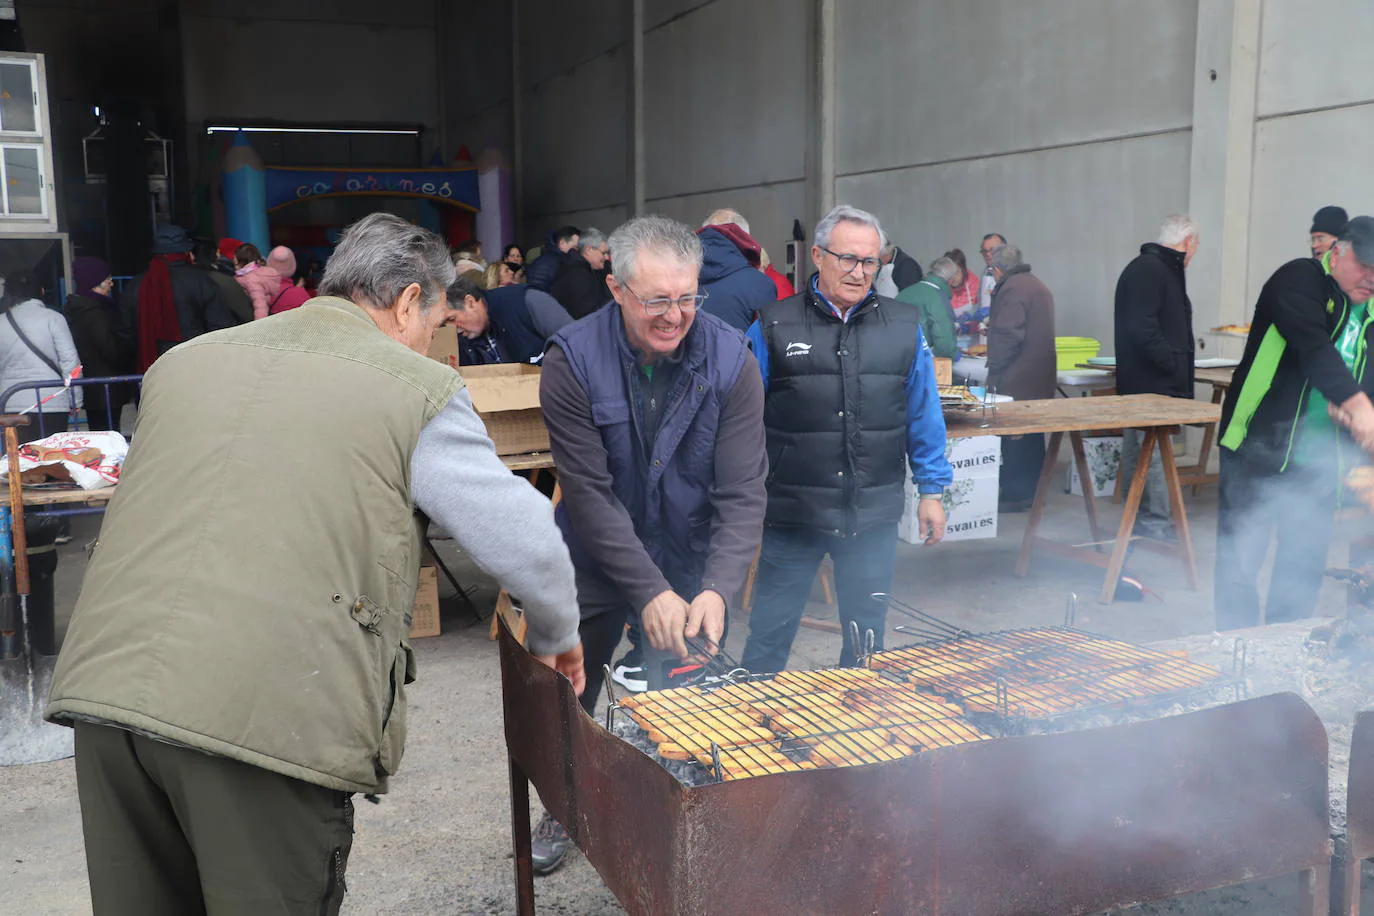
(660, 306)
(849, 261)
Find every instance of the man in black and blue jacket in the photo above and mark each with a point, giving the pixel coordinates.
(1299, 397)
(851, 404)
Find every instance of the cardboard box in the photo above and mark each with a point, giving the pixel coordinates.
(1104, 458)
(507, 399)
(444, 347)
(974, 456)
(944, 370)
(424, 620)
(970, 510)
(971, 500)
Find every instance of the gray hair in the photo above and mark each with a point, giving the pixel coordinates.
(1005, 257)
(380, 255)
(1176, 229)
(657, 234)
(847, 214)
(591, 238)
(944, 268)
(726, 217)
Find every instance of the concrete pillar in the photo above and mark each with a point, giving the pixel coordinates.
(1226, 71)
(820, 156)
(635, 96)
(517, 114)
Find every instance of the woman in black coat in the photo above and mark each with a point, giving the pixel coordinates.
(93, 316)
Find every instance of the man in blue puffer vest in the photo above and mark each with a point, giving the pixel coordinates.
(655, 417)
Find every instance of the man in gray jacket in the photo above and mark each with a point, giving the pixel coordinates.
(236, 665)
(1021, 363)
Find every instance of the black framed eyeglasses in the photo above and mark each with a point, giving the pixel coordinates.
(660, 306)
(849, 261)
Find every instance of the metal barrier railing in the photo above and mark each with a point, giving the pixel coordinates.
(65, 404)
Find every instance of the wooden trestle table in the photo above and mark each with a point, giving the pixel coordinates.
(1157, 416)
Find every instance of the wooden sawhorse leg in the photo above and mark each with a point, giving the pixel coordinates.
(1042, 490)
(1209, 436)
(1127, 527)
(1179, 514)
(1089, 488)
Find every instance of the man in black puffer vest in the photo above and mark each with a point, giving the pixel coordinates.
(851, 401)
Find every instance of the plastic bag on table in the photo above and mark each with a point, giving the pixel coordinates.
(89, 459)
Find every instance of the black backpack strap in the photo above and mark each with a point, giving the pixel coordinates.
(47, 361)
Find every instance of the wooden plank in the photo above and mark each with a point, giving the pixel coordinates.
(1217, 378)
(68, 497)
(1180, 515)
(1042, 490)
(825, 626)
(1086, 484)
(528, 462)
(1134, 411)
(1123, 532)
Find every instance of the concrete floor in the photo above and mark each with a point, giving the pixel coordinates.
(439, 843)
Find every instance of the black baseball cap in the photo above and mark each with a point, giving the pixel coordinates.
(1359, 232)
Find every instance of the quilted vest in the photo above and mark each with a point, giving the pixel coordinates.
(252, 589)
(836, 412)
(664, 484)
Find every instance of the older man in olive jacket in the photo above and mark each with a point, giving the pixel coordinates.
(1021, 363)
(236, 665)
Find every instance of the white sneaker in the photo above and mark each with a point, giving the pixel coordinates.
(629, 673)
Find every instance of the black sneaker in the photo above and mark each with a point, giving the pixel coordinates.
(629, 672)
(550, 846)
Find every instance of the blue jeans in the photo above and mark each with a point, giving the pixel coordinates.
(787, 567)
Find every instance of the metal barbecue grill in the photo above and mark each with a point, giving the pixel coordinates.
(797, 720)
(1048, 824)
(1047, 672)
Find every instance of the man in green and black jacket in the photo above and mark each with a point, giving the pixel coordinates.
(1283, 450)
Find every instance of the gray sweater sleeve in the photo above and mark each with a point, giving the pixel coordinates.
(505, 525)
(548, 315)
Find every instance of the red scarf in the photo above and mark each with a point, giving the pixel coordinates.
(158, 325)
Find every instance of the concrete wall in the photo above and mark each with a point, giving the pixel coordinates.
(311, 61)
(1063, 124)
(1315, 112)
(732, 132)
(574, 76)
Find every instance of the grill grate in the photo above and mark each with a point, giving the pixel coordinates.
(1046, 672)
(939, 692)
(797, 720)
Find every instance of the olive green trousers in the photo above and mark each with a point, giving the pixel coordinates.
(175, 832)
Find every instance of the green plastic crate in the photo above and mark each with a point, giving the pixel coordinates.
(1070, 351)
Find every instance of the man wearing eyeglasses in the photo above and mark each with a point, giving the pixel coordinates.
(655, 417)
(851, 403)
(1284, 455)
(991, 242)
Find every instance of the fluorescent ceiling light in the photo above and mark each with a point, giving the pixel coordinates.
(224, 129)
